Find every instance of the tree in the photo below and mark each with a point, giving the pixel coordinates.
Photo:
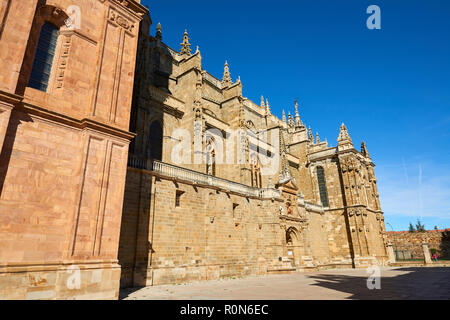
(420, 227)
(411, 228)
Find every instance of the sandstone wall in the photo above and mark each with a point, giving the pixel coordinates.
(404, 241)
(63, 154)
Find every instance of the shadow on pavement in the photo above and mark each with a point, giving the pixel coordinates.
(419, 283)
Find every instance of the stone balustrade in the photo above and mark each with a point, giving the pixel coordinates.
(314, 207)
(201, 178)
(212, 80)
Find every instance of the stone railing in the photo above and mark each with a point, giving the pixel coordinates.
(137, 162)
(166, 99)
(309, 206)
(212, 80)
(199, 178)
(175, 54)
(314, 207)
(253, 106)
(270, 193)
(324, 153)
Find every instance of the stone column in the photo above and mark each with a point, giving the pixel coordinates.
(390, 251)
(426, 252)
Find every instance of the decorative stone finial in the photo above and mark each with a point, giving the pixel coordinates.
(185, 45)
(364, 151)
(297, 115)
(310, 135)
(284, 116)
(159, 31)
(343, 134)
(290, 120)
(317, 138)
(226, 80)
(267, 107)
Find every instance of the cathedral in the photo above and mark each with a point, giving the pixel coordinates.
(124, 163)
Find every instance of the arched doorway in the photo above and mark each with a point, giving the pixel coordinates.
(294, 247)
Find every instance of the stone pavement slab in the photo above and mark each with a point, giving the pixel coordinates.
(336, 284)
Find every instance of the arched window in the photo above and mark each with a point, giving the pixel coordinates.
(322, 186)
(43, 59)
(40, 52)
(156, 140)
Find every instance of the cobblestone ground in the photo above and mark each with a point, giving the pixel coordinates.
(396, 283)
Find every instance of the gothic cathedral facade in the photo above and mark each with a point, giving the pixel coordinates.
(124, 163)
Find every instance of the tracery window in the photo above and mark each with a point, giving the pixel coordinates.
(322, 186)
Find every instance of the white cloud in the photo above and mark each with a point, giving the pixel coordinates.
(415, 190)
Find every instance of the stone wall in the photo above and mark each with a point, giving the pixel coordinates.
(405, 241)
(63, 148)
(214, 233)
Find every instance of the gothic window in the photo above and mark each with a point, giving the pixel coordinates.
(43, 59)
(156, 140)
(322, 186)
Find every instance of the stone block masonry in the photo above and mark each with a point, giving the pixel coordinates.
(64, 146)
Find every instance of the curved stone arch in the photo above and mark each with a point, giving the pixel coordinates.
(294, 245)
(292, 235)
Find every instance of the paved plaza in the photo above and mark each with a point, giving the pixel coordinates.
(396, 283)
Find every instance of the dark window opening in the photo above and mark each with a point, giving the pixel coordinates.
(322, 186)
(156, 140)
(43, 60)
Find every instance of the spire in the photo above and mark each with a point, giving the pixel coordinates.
(226, 80)
(310, 135)
(185, 45)
(364, 151)
(317, 138)
(297, 115)
(284, 116)
(343, 134)
(263, 105)
(267, 107)
(290, 121)
(159, 31)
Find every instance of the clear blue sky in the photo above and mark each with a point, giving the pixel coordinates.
(391, 87)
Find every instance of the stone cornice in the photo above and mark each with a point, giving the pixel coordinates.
(10, 97)
(13, 267)
(84, 123)
(79, 34)
(355, 206)
(291, 218)
(134, 7)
